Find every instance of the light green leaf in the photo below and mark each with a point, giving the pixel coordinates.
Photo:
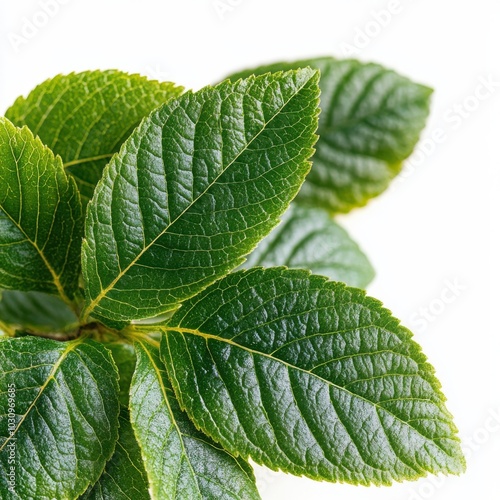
(36, 311)
(311, 377)
(181, 462)
(124, 358)
(40, 217)
(124, 477)
(195, 187)
(59, 419)
(308, 238)
(370, 122)
(5, 331)
(85, 117)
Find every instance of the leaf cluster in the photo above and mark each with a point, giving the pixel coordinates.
(159, 321)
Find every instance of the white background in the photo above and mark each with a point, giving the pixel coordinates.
(435, 226)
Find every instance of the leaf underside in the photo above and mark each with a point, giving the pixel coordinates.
(193, 190)
(370, 121)
(35, 311)
(85, 117)
(310, 377)
(308, 238)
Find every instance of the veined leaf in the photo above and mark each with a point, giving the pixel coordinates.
(85, 117)
(62, 422)
(370, 122)
(195, 187)
(308, 238)
(40, 217)
(181, 462)
(124, 477)
(311, 377)
(36, 311)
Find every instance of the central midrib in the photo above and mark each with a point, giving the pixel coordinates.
(208, 336)
(73, 345)
(104, 291)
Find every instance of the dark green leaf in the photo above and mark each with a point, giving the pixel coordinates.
(182, 463)
(36, 311)
(195, 187)
(85, 117)
(311, 377)
(308, 238)
(64, 423)
(124, 477)
(124, 358)
(40, 217)
(370, 122)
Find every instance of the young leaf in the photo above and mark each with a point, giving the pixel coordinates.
(85, 117)
(194, 188)
(62, 423)
(124, 477)
(370, 122)
(36, 311)
(311, 377)
(181, 462)
(40, 217)
(308, 238)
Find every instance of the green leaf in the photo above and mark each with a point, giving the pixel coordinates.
(36, 311)
(311, 377)
(371, 120)
(124, 477)
(308, 238)
(85, 117)
(40, 217)
(64, 421)
(181, 462)
(193, 190)
(124, 358)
